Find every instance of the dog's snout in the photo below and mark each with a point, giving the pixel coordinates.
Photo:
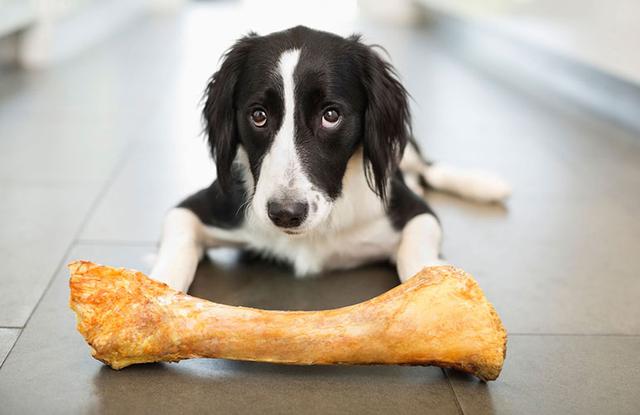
(287, 213)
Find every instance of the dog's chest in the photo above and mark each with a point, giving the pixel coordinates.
(370, 241)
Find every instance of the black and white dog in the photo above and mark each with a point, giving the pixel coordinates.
(316, 166)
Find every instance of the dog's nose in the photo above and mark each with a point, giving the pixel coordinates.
(286, 213)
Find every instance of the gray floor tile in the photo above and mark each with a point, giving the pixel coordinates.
(157, 175)
(242, 279)
(559, 375)
(117, 78)
(38, 224)
(608, 160)
(52, 131)
(67, 380)
(57, 147)
(74, 121)
(550, 266)
(7, 338)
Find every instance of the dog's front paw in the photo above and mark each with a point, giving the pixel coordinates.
(436, 263)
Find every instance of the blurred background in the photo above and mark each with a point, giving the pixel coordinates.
(100, 135)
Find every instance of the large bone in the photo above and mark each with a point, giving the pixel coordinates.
(439, 317)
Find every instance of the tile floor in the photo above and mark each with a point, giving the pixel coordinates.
(94, 151)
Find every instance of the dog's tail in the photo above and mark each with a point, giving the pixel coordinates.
(472, 184)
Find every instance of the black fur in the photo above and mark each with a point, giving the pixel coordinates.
(215, 207)
(332, 72)
(387, 120)
(404, 204)
(219, 108)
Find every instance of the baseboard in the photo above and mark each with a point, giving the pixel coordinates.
(538, 71)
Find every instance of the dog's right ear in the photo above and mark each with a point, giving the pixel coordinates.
(219, 109)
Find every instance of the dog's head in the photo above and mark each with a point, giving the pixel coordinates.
(294, 107)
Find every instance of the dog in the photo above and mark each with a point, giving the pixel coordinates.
(316, 165)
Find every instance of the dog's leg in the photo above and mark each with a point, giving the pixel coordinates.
(181, 248)
(472, 184)
(419, 246)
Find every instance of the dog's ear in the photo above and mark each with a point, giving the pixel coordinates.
(219, 112)
(387, 120)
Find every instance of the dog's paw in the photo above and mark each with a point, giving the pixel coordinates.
(149, 259)
(486, 187)
(436, 263)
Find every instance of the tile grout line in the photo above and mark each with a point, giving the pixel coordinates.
(453, 391)
(4, 358)
(112, 177)
(44, 292)
(107, 184)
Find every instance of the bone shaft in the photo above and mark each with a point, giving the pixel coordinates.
(293, 337)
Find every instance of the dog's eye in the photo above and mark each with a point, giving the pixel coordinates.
(330, 118)
(259, 118)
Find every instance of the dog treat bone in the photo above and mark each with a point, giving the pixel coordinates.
(438, 317)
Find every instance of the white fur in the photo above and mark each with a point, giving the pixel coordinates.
(281, 174)
(356, 231)
(420, 246)
(181, 249)
(473, 184)
(184, 240)
(412, 167)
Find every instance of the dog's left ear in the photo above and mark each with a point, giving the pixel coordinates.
(387, 120)
(219, 109)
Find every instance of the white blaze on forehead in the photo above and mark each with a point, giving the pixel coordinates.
(283, 148)
(281, 173)
(287, 66)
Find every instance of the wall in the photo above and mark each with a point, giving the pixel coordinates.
(603, 34)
